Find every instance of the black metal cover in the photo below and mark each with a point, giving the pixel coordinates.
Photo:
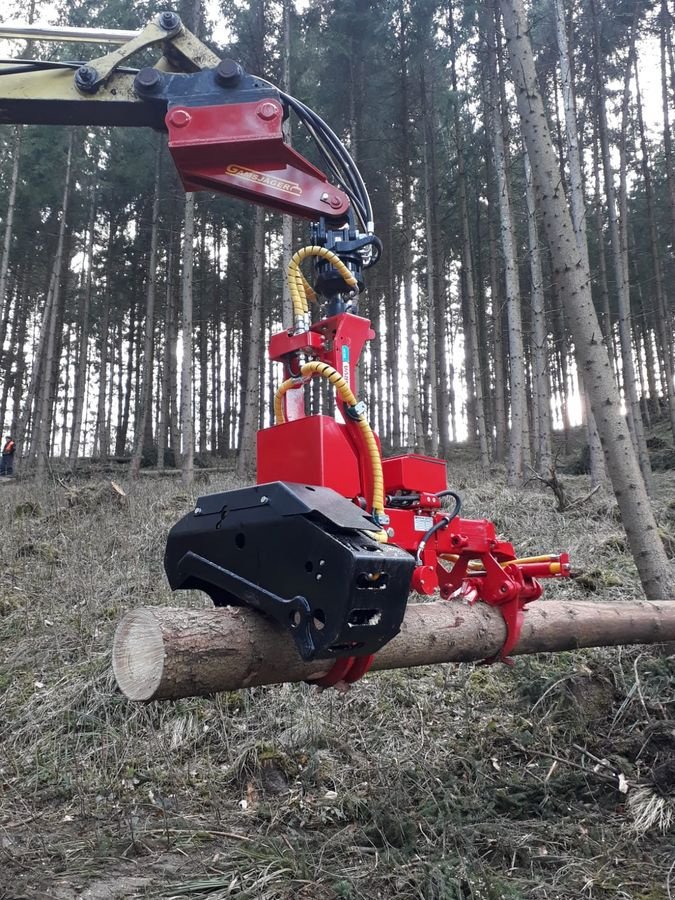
(301, 555)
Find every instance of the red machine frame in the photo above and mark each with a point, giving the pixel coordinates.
(460, 558)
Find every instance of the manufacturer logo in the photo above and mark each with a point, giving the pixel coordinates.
(278, 184)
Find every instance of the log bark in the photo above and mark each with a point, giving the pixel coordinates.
(162, 653)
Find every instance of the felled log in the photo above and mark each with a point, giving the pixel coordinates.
(162, 653)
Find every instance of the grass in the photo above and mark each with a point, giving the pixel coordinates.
(448, 783)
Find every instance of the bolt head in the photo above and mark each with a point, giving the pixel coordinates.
(85, 79)
(268, 111)
(264, 500)
(168, 20)
(198, 510)
(229, 72)
(335, 202)
(147, 79)
(179, 118)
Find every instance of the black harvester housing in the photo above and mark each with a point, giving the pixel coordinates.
(303, 556)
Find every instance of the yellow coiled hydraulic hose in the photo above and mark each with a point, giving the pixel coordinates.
(300, 289)
(308, 370)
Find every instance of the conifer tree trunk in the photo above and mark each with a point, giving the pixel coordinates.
(622, 466)
(606, 314)
(474, 378)
(663, 316)
(169, 349)
(515, 463)
(578, 208)
(186, 408)
(41, 437)
(500, 381)
(82, 353)
(127, 367)
(542, 386)
(415, 437)
(619, 237)
(5, 298)
(18, 342)
(251, 404)
(431, 279)
(664, 38)
(102, 430)
(392, 311)
(144, 414)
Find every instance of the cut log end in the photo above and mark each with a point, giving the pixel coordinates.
(138, 655)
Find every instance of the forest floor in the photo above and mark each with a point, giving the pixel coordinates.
(446, 783)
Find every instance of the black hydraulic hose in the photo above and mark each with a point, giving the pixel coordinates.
(19, 66)
(334, 142)
(348, 185)
(442, 523)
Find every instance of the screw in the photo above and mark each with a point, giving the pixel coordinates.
(319, 577)
(85, 79)
(390, 532)
(147, 79)
(198, 510)
(322, 562)
(503, 589)
(335, 202)
(168, 20)
(228, 72)
(268, 111)
(264, 500)
(179, 118)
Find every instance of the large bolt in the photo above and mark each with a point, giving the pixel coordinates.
(335, 202)
(147, 79)
(85, 79)
(168, 20)
(267, 111)
(228, 72)
(179, 118)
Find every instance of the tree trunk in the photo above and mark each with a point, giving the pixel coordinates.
(578, 208)
(474, 380)
(169, 351)
(619, 237)
(415, 437)
(102, 430)
(542, 386)
(664, 329)
(5, 300)
(251, 410)
(160, 653)
(51, 318)
(186, 409)
(82, 353)
(629, 488)
(664, 34)
(431, 279)
(144, 414)
(514, 470)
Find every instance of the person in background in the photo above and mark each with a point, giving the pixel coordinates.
(7, 462)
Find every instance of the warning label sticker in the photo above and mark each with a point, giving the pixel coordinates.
(423, 523)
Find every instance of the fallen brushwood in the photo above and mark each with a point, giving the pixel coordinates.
(163, 653)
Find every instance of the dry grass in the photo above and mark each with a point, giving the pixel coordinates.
(452, 783)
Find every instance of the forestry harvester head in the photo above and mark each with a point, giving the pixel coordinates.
(333, 538)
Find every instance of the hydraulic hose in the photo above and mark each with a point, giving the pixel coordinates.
(308, 370)
(300, 289)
